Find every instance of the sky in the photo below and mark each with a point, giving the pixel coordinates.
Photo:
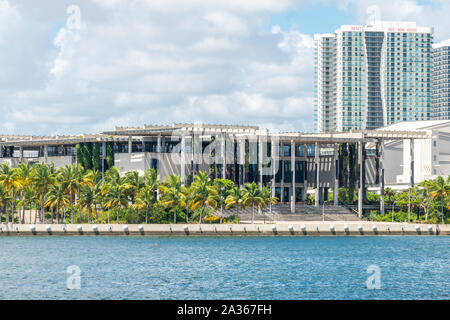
(72, 67)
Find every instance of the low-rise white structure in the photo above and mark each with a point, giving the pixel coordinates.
(429, 157)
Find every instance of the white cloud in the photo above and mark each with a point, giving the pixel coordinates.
(160, 61)
(214, 44)
(432, 13)
(224, 22)
(136, 62)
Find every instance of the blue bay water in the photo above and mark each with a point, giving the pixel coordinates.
(224, 267)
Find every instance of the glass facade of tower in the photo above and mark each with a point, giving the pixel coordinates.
(408, 76)
(382, 75)
(324, 85)
(353, 80)
(441, 83)
(374, 45)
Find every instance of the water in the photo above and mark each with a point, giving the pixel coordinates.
(224, 267)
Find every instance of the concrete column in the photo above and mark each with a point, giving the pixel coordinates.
(130, 144)
(192, 156)
(282, 174)
(46, 153)
(293, 176)
(183, 159)
(223, 155)
(361, 182)
(381, 182)
(336, 175)
(158, 150)
(241, 161)
(317, 165)
(21, 154)
(260, 161)
(274, 160)
(103, 158)
(411, 154)
(411, 174)
(305, 183)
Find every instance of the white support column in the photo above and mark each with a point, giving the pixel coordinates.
(223, 155)
(103, 158)
(282, 199)
(411, 174)
(361, 182)
(336, 175)
(183, 159)
(381, 168)
(411, 153)
(260, 161)
(46, 154)
(305, 183)
(130, 144)
(158, 150)
(21, 154)
(192, 156)
(242, 161)
(274, 168)
(293, 175)
(317, 164)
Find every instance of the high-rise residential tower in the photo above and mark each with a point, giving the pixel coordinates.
(441, 81)
(372, 76)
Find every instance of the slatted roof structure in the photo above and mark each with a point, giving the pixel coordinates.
(154, 130)
(30, 141)
(123, 134)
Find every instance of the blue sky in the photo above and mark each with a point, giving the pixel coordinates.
(314, 18)
(136, 62)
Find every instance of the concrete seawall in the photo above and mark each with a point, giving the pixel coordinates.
(307, 228)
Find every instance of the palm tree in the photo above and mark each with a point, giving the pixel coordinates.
(252, 197)
(42, 179)
(172, 199)
(204, 192)
(144, 200)
(223, 187)
(4, 197)
(424, 197)
(92, 178)
(171, 194)
(146, 195)
(23, 179)
(267, 199)
(440, 190)
(112, 176)
(71, 177)
(188, 199)
(390, 193)
(235, 198)
(151, 178)
(135, 183)
(28, 197)
(7, 180)
(58, 198)
(116, 196)
(86, 199)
